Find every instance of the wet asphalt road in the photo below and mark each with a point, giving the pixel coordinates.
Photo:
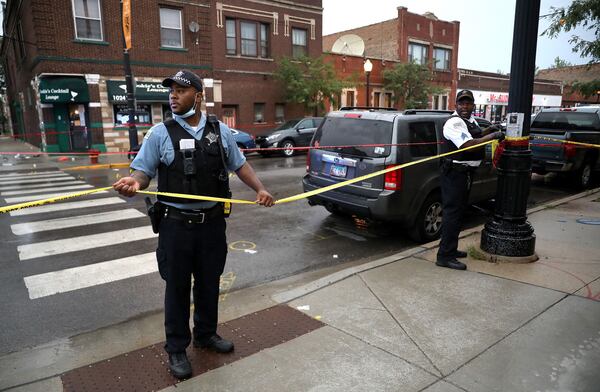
(265, 244)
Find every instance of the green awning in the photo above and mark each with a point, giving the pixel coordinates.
(144, 91)
(64, 89)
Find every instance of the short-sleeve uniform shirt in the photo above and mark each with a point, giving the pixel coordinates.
(457, 132)
(157, 148)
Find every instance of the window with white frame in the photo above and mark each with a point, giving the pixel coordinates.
(88, 19)
(279, 112)
(230, 36)
(259, 112)
(417, 53)
(299, 42)
(441, 59)
(171, 33)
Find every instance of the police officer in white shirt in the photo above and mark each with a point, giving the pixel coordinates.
(460, 131)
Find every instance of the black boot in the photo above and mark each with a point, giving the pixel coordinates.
(180, 365)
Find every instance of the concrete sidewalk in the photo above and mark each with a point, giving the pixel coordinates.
(399, 323)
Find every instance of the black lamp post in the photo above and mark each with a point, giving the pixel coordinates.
(509, 233)
(368, 67)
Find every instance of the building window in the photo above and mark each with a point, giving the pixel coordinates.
(376, 98)
(387, 100)
(441, 59)
(248, 35)
(143, 114)
(230, 36)
(88, 19)
(264, 35)
(253, 41)
(440, 102)
(259, 112)
(171, 34)
(299, 42)
(417, 53)
(350, 98)
(279, 112)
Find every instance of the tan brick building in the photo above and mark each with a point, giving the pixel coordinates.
(424, 39)
(569, 75)
(64, 63)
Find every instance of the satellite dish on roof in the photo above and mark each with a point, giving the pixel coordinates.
(350, 44)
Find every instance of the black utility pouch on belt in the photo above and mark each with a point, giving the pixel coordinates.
(154, 213)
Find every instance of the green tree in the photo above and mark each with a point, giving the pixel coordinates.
(560, 63)
(411, 84)
(309, 81)
(584, 13)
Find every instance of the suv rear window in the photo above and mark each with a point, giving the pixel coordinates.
(337, 131)
(567, 120)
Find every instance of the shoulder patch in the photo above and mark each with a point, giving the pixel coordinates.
(148, 133)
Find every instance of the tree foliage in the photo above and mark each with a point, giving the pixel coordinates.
(584, 13)
(587, 89)
(560, 63)
(411, 84)
(309, 81)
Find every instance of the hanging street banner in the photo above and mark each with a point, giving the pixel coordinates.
(127, 23)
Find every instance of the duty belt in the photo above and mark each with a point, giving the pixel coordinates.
(193, 216)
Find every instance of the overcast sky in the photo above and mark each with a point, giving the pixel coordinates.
(486, 27)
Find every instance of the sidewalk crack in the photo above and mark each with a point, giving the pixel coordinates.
(401, 327)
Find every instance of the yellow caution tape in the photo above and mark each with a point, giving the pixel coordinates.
(239, 201)
(36, 203)
(517, 139)
(566, 141)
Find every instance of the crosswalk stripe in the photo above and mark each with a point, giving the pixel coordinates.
(75, 221)
(54, 188)
(50, 283)
(26, 177)
(27, 166)
(64, 177)
(67, 245)
(37, 174)
(35, 186)
(61, 206)
(23, 199)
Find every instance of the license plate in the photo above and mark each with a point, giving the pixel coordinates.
(338, 171)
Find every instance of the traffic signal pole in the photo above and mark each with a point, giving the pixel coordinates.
(509, 233)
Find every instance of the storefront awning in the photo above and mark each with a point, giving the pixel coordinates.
(64, 89)
(144, 91)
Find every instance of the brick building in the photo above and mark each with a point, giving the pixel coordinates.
(64, 63)
(569, 75)
(424, 39)
(491, 93)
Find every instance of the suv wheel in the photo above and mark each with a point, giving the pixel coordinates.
(584, 176)
(288, 148)
(428, 225)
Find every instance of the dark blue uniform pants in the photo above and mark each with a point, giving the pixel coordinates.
(186, 250)
(455, 194)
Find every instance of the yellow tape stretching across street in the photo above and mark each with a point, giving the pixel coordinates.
(36, 203)
(567, 141)
(238, 201)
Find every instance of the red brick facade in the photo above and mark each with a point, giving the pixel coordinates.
(390, 41)
(52, 51)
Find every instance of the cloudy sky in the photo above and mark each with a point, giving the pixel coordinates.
(486, 27)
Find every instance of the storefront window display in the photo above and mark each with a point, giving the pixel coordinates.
(143, 115)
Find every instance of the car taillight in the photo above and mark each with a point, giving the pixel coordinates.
(569, 150)
(393, 179)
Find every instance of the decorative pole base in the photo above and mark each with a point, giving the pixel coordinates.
(506, 238)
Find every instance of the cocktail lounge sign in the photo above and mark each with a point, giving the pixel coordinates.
(144, 91)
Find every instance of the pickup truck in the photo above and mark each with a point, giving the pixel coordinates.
(579, 163)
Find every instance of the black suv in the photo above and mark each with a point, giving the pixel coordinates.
(292, 133)
(410, 196)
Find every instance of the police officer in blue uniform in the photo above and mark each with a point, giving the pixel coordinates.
(192, 154)
(460, 131)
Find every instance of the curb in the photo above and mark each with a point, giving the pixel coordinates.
(325, 281)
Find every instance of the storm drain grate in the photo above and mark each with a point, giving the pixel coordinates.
(147, 369)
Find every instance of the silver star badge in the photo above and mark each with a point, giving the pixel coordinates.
(211, 137)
